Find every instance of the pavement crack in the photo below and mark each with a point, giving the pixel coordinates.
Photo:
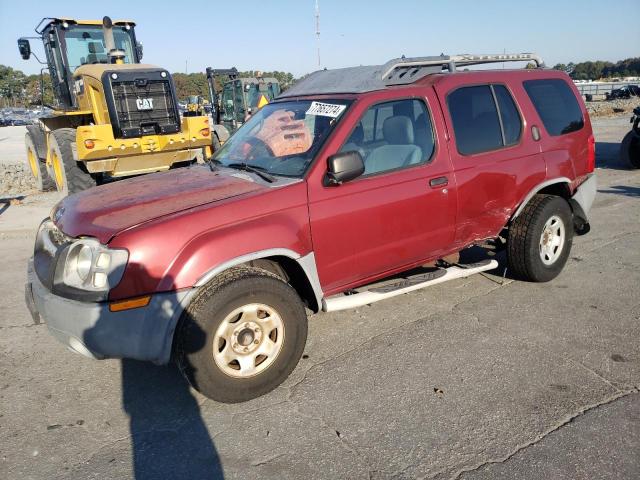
(347, 445)
(24, 325)
(565, 421)
(267, 460)
(613, 240)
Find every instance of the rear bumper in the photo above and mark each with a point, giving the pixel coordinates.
(91, 329)
(582, 200)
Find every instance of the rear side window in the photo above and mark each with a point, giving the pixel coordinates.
(509, 114)
(478, 124)
(556, 105)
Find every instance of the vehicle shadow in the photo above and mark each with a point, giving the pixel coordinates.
(625, 190)
(608, 156)
(168, 435)
(169, 438)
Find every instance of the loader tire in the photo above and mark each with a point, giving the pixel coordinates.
(35, 164)
(69, 177)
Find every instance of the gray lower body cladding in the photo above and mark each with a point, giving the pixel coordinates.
(91, 329)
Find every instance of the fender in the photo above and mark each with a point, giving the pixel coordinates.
(536, 189)
(306, 262)
(221, 132)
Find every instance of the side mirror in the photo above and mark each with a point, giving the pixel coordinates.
(343, 167)
(24, 48)
(139, 50)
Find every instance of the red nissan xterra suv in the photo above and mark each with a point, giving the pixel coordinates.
(350, 177)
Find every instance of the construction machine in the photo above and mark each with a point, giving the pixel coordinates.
(239, 97)
(114, 117)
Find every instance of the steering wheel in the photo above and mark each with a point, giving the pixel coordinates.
(256, 148)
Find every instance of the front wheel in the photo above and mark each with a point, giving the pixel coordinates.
(540, 238)
(67, 174)
(36, 165)
(242, 336)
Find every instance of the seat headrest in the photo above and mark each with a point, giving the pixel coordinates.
(96, 47)
(398, 130)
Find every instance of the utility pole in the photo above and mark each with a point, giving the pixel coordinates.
(318, 30)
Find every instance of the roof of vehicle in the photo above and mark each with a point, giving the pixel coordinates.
(398, 71)
(46, 21)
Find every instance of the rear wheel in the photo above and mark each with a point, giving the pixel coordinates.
(242, 336)
(36, 165)
(540, 239)
(630, 150)
(69, 177)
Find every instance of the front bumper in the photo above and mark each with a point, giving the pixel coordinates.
(91, 329)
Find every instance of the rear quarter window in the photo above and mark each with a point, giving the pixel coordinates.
(556, 105)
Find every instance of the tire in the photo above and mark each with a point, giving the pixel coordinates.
(630, 150)
(531, 253)
(223, 310)
(67, 174)
(36, 165)
(215, 142)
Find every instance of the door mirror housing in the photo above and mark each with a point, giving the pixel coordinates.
(25, 48)
(343, 167)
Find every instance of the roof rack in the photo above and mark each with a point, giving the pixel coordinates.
(402, 71)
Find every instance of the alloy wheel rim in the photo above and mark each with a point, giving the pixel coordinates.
(248, 340)
(32, 162)
(552, 240)
(57, 170)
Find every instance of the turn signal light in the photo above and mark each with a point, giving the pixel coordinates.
(205, 132)
(89, 144)
(129, 304)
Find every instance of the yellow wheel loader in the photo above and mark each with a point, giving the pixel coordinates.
(114, 116)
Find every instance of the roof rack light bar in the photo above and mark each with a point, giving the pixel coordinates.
(402, 71)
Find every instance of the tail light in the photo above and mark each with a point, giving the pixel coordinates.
(89, 144)
(205, 132)
(591, 154)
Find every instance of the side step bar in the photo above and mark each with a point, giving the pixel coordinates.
(405, 285)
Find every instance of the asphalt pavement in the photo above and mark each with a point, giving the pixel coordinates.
(483, 377)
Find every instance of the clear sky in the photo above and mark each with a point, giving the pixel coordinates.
(280, 34)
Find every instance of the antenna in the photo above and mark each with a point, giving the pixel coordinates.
(318, 30)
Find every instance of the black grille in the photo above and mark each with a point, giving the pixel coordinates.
(143, 106)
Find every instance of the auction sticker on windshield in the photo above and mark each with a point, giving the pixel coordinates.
(325, 109)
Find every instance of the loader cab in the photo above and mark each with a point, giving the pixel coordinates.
(242, 97)
(69, 44)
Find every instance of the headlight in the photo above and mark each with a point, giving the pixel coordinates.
(84, 261)
(93, 267)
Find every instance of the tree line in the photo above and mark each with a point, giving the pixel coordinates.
(20, 90)
(196, 83)
(629, 67)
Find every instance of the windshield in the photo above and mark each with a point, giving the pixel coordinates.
(85, 45)
(282, 138)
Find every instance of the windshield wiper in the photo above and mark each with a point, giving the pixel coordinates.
(213, 164)
(253, 169)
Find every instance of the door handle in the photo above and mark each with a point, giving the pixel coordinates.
(438, 182)
(535, 132)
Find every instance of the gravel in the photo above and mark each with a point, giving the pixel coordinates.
(16, 180)
(607, 108)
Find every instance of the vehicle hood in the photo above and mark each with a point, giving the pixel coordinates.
(102, 212)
